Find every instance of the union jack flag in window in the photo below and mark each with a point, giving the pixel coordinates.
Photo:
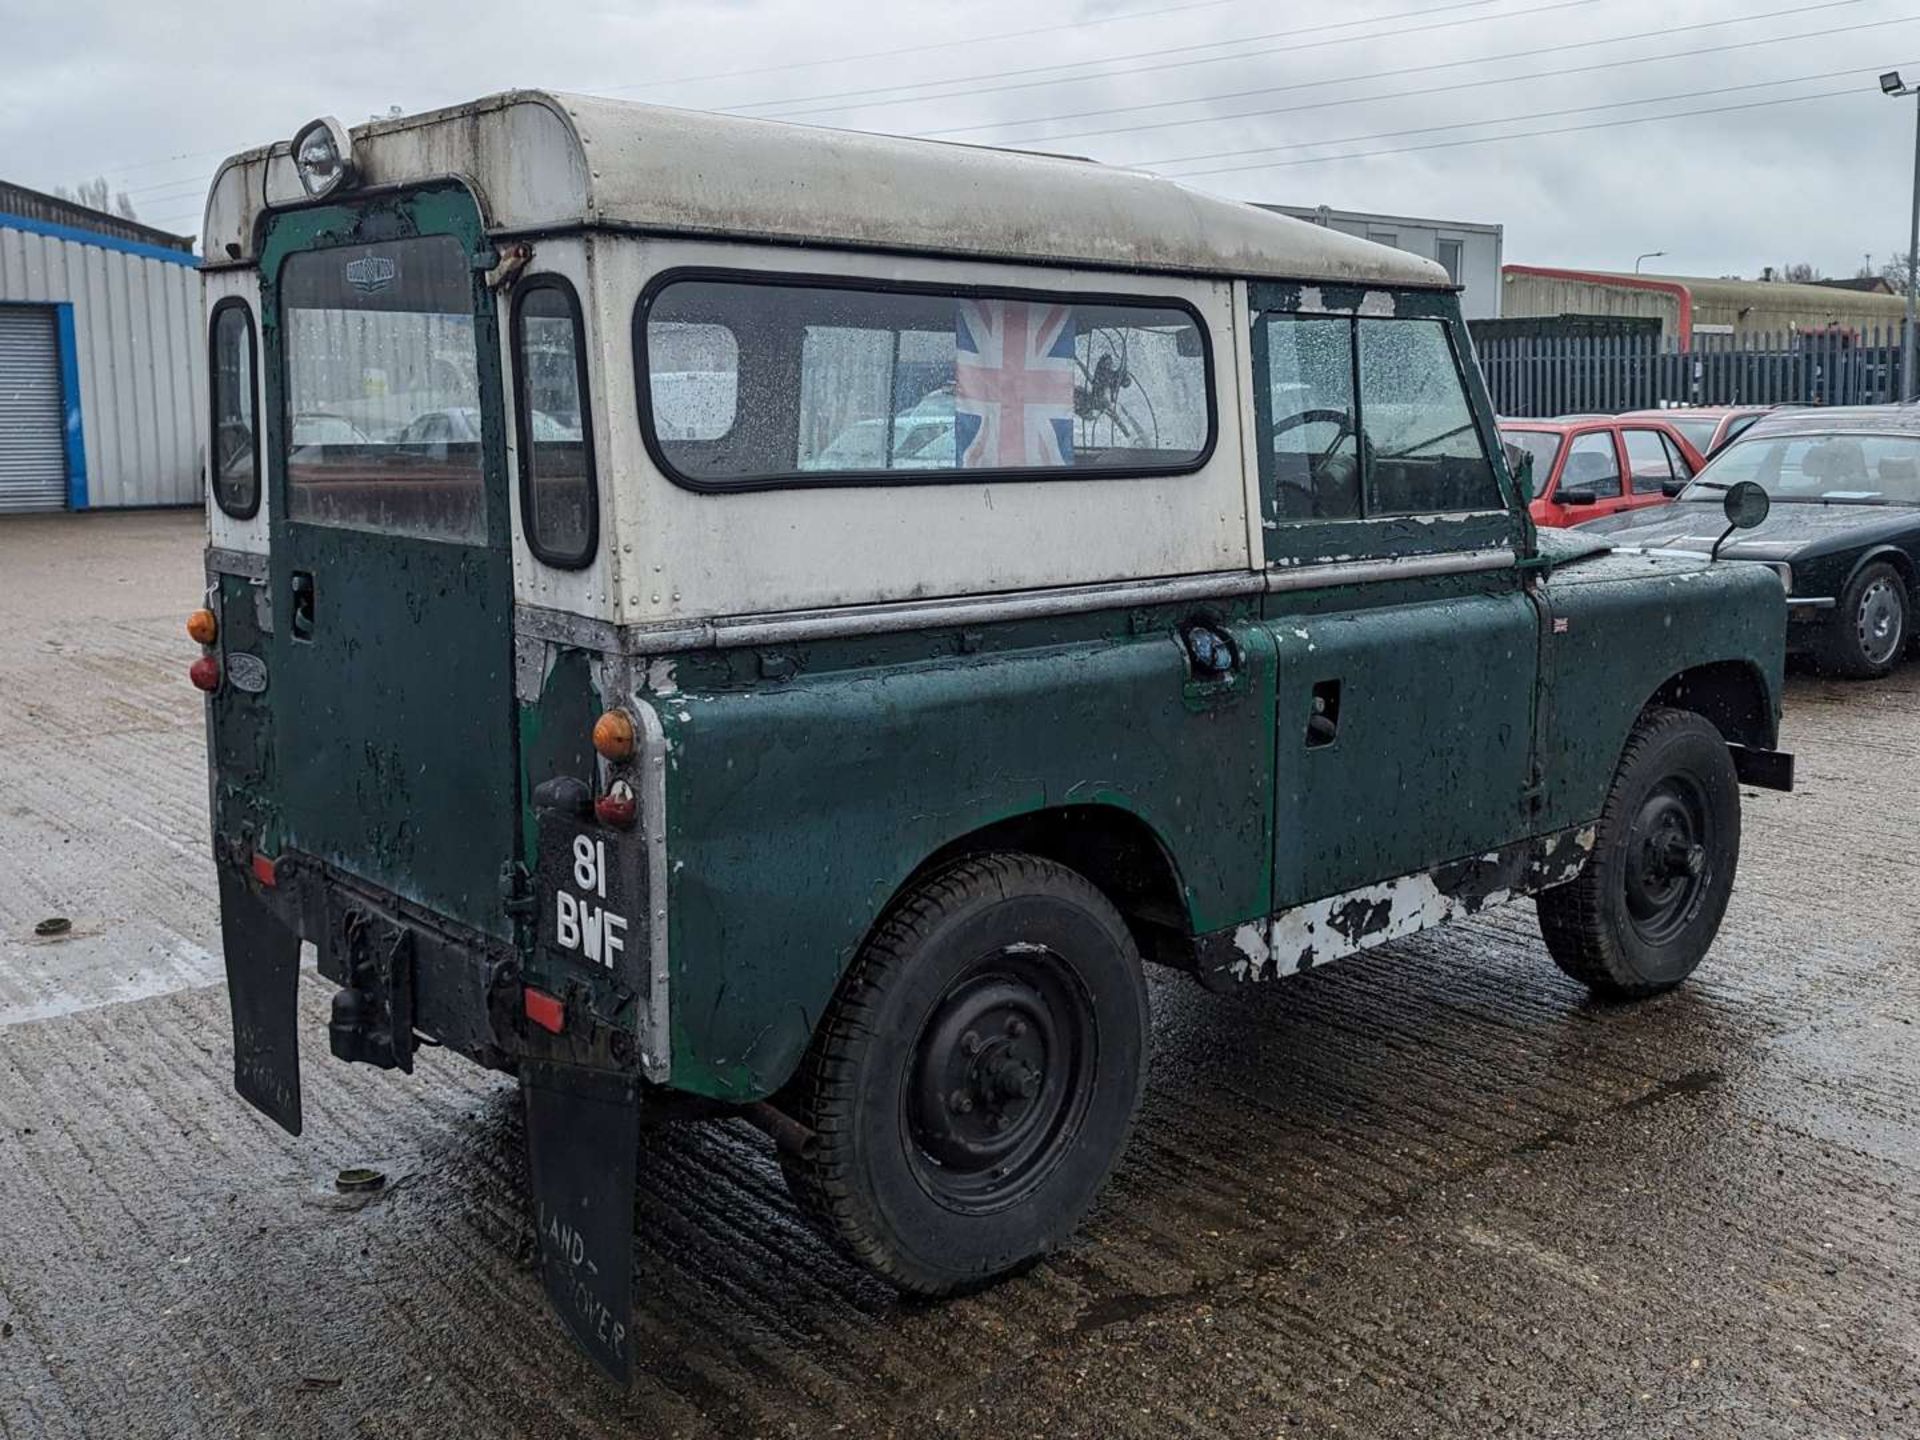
(1013, 384)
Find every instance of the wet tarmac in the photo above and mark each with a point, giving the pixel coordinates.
(1432, 1191)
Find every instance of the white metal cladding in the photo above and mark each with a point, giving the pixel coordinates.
(138, 348)
(33, 451)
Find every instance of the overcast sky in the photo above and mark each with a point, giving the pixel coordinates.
(1234, 94)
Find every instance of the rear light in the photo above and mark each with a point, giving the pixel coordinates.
(545, 1010)
(205, 674)
(618, 807)
(266, 870)
(203, 627)
(613, 735)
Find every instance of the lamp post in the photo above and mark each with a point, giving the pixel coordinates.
(1650, 255)
(1890, 84)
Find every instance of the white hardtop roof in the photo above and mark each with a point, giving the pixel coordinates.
(543, 161)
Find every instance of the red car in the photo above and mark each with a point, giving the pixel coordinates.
(1587, 466)
(1705, 427)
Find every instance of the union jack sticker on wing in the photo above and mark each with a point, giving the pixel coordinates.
(1013, 384)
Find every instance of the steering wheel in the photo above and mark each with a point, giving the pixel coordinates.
(1342, 420)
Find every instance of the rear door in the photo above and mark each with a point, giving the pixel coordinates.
(391, 566)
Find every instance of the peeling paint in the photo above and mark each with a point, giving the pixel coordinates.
(1355, 920)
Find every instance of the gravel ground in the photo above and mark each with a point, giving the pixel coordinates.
(1432, 1191)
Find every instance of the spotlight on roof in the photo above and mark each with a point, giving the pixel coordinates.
(1890, 83)
(323, 156)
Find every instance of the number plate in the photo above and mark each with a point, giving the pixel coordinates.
(590, 887)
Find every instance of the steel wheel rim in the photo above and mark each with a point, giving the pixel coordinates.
(1667, 860)
(1881, 621)
(998, 1081)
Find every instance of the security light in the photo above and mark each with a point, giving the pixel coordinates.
(323, 156)
(1890, 83)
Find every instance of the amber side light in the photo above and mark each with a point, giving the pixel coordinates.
(613, 735)
(203, 627)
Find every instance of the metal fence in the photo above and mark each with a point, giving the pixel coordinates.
(1566, 375)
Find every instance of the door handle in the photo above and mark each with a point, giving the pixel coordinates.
(302, 620)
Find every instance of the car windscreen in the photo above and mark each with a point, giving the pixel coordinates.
(1838, 468)
(1542, 445)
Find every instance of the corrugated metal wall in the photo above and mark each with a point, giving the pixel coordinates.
(138, 344)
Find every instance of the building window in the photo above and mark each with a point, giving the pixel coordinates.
(236, 435)
(748, 382)
(1385, 237)
(1448, 252)
(559, 506)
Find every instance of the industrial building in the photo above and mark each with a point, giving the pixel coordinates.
(1469, 251)
(1690, 307)
(102, 399)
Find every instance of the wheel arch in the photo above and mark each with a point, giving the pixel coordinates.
(1730, 694)
(1114, 848)
(1893, 555)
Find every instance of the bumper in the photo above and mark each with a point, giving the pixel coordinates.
(1763, 769)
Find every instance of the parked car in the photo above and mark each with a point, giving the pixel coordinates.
(1844, 533)
(1708, 428)
(1589, 466)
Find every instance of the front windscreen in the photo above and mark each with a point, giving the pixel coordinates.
(383, 427)
(1699, 432)
(1842, 468)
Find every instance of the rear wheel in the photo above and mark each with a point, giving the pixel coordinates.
(976, 1077)
(1868, 631)
(1647, 906)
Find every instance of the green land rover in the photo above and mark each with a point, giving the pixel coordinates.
(718, 618)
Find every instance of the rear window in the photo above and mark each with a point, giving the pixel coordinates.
(1698, 433)
(383, 423)
(747, 383)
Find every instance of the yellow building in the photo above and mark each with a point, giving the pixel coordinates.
(1688, 306)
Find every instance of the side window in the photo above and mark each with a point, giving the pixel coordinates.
(1308, 429)
(235, 435)
(1592, 466)
(1682, 467)
(1421, 446)
(750, 383)
(555, 432)
(1649, 460)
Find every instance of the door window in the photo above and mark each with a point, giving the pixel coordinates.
(1309, 427)
(1682, 467)
(558, 503)
(383, 421)
(1422, 446)
(236, 434)
(1591, 466)
(1650, 461)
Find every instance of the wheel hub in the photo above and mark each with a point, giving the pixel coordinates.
(1667, 863)
(1881, 622)
(996, 1079)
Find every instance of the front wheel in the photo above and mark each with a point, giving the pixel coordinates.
(1644, 911)
(976, 1077)
(1867, 632)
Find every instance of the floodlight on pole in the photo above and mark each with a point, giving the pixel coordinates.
(1650, 255)
(1890, 84)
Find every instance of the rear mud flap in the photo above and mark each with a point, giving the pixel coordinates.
(263, 979)
(583, 1138)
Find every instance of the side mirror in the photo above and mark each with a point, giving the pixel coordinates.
(1672, 488)
(1520, 463)
(1577, 497)
(1747, 505)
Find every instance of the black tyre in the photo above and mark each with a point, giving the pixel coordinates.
(1869, 628)
(976, 1076)
(1647, 906)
